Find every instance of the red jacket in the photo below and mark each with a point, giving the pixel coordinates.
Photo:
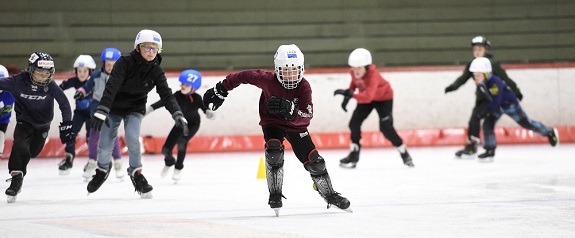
(371, 88)
(270, 86)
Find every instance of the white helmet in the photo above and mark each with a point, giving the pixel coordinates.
(359, 57)
(148, 36)
(480, 65)
(85, 61)
(3, 72)
(289, 62)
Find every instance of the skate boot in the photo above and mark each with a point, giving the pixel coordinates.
(487, 156)
(275, 202)
(553, 137)
(351, 160)
(469, 151)
(89, 170)
(407, 159)
(15, 185)
(118, 168)
(66, 164)
(140, 183)
(99, 178)
(337, 200)
(177, 175)
(169, 161)
(322, 184)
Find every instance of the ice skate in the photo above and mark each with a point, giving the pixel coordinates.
(98, 179)
(553, 137)
(487, 156)
(15, 186)
(118, 168)
(407, 159)
(275, 202)
(177, 175)
(339, 201)
(468, 152)
(66, 164)
(89, 170)
(351, 160)
(165, 171)
(140, 183)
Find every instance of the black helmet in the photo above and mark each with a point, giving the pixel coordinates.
(41, 61)
(480, 40)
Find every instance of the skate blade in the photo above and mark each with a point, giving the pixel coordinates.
(348, 166)
(410, 164)
(465, 157)
(64, 172)
(346, 210)
(486, 160)
(11, 199)
(277, 211)
(147, 195)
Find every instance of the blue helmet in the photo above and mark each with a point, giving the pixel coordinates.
(110, 54)
(191, 77)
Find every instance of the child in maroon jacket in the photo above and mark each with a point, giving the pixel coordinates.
(285, 110)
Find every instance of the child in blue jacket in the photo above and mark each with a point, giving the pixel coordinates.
(502, 100)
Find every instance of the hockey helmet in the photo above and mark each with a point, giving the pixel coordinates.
(289, 65)
(40, 61)
(191, 77)
(359, 57)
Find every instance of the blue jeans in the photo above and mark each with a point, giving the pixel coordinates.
(132, 123)
(519, 116)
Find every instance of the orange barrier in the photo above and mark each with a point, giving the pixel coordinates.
(412, 138)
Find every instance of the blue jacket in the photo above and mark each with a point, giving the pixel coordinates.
(499, 94)
(74, 82)
(35, 104)
(6, 105)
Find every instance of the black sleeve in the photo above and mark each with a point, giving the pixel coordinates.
(160, 103)
(198, 102)
(66, 84)
(165, 93)
(113, 85)
(463, 78)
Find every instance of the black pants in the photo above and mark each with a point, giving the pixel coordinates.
(384, 110)
(28, 143)
(301, 142)
(3, 127)
(176, 136)
(477, 113)
(81, 118)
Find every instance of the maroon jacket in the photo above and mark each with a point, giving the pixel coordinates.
(270, 86)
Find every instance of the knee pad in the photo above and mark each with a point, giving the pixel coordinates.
(274, 153)
(315, 164)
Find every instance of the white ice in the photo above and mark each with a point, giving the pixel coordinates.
(528, 191)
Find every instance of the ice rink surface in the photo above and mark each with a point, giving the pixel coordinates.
(528, 191)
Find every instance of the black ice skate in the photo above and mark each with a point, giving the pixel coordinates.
(351, 160)
(468, 152)
(15, 185)
(98, 179)
(337, 200)
(275, 202)
(487, 156)
(407, 159)
(140, 183)
(553, 137)
(66, 164)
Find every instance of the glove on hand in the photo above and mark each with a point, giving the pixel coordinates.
(282, 106)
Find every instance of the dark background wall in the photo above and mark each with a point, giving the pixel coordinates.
(226, 34)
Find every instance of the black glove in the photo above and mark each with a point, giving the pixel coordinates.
(181, 122)
(344, 103)
(519, 95)
(215, 96)
(100, 116)
(450, 88)
(78, 95)
(66, 133)
(344, 92)
(282, 106)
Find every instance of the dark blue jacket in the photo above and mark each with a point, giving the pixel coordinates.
(35, 104)
(499, 94)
